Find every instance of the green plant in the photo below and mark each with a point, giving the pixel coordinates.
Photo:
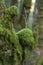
(8, 17)
(12, 44)
(7, 14)
(10, 49)
(26, 38)
(9, 46)
(27, 41)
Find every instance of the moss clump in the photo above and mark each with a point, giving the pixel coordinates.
(12, 45)
(26, 38)
(13, 10)
(8, 16)
(9, 46)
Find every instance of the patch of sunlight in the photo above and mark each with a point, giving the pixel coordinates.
(33, 5)
(33, 1)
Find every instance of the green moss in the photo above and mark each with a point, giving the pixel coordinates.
(9, 41)
(26, 38)
(8, 21)
(1, 21)
(10, 48)
(2, 6)
(13, 10)
(7, 14)
(11, 52)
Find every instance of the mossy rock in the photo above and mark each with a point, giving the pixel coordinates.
(7, 14)
(26, 38)
(9, 46)
(13, 10)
